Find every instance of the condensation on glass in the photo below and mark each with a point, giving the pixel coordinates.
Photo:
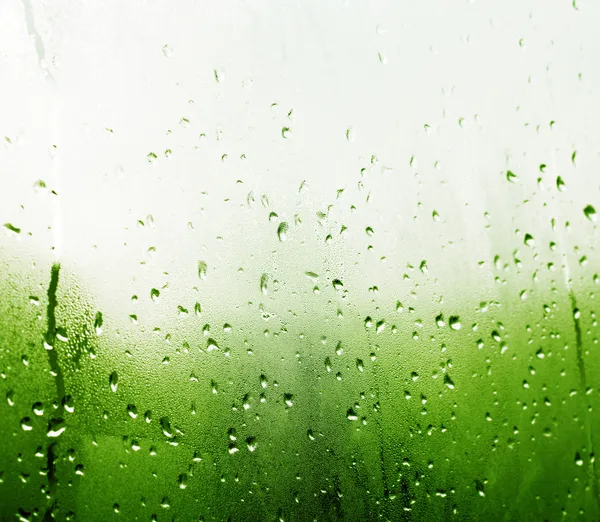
(299, 260)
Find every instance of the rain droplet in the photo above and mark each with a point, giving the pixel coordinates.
(590, 213)
(219, 75)
(264, 279)
(113, 380)
(202, 269)
(454, 322)
(288, 399)
(211, 345)
(182, 480)
(98, 321)
(132, 411)
(166, 427)
(282, 230)
(528, 240)
(11, 229)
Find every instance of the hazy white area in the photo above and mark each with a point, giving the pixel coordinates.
(467, 89)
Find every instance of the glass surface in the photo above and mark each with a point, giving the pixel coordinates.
(293, 261)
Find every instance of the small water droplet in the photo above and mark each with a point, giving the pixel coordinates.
(454, 322)
(528, 240)
(448, 382)
(288, 399)
(113, 381)
(211, 345)
(590, 213)
(219, 75)
(132, 411)
(202, 269)
(282, 231)
(98, 321)
(165, 425)
(182, 480)
(351, 415)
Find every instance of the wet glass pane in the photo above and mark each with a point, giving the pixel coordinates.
(299, 260)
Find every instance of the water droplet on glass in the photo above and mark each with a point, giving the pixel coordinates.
(113, 381)
(132, 411)
(282, 230)
(528, 240)
(202, 269)
(11, 229)
(454, 322)
(26, 424)
(211, 345)
(264, 279)
(98, 321)
(590, 213)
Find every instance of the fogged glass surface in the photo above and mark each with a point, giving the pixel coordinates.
(299, 260)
